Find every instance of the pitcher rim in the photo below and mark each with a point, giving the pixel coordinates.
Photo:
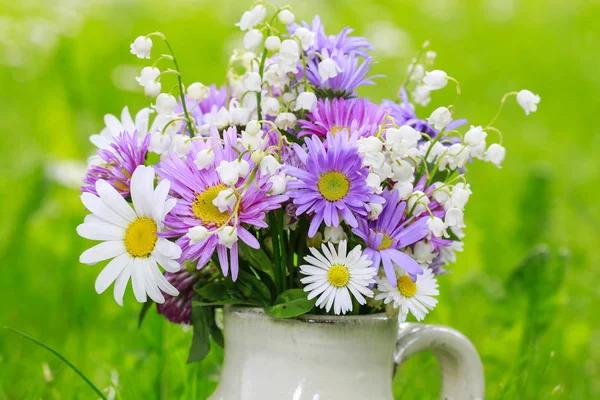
(311, 318)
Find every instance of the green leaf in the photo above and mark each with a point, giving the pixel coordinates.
(236, 301)
(216, 291)
(290, 304)
(145, 307)
(217, 335)
(253, 288)
(258, 259)
(202, 320)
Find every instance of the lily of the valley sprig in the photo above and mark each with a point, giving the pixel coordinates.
(283, 188)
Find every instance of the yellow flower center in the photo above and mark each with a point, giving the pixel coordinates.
(406, 286)
(337, 129)
(333, 185)
(386, 242)
(338, 275)
(204, 209)
(140, 237)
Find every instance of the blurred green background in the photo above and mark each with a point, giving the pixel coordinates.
(531, 311)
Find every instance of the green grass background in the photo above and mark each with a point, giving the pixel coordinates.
(64, 64)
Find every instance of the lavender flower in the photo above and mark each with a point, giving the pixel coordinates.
(358, 116)
(344, 84)
(117, 163)
(333, 183)
(341, 42)
(391, 232)
(197, 189)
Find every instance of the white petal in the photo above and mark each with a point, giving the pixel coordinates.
(100, 141)
(112, 270)
(121, 283)
(165, 262)
(324, 296)
(313, 278)
(150, 283)
(98, 208)
(141, 121)
(359, 297)
(317, 263)
(168, 249)
(126, 120)
(113, 124)
(142, 187)
(102, 251)
(160, 197)
(320, 257)
(331, 299)
(101, 231)
(160, 279)
(169, 206)
(137, 279)
(316, 288)
(310, 270)
(113, 200)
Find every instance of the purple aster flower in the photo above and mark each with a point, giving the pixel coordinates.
(117, 163)
(404, 114)
(358, 116)
(178, 309)
(208, 107)
(332, 183)
(342, 41)
(204, 112)
(353, 74)
(385, 236)
(437, 266)
(196, 189)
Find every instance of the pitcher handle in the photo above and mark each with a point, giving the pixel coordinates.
(462, 371)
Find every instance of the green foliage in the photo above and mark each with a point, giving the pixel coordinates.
(258, 259)
(202, 321)
(291, 303)
(143, 311)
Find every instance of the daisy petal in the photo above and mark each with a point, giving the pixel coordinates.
(168, 249)
(112, 270)
(121, 283)
(137, 279)
(113, 200)
(102, 251)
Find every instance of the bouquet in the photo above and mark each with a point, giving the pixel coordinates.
(282, 188)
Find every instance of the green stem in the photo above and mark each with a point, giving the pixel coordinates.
(506, 96)
(282, 247)
(276, 253)
(180, 83)
(261, 70)
(63, 359)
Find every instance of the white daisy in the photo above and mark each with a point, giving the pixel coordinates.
(332, 274)
(129, 236)
(114, 127)
(408, 295)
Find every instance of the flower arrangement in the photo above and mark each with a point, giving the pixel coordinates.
(282, 189)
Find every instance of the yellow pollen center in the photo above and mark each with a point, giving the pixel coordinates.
(333, 185)
(386, 242)
(140, 237)
(406, 286)
(338, 275)
(337, 129)
(204, 209)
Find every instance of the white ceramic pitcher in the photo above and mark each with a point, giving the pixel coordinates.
(336, 358)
